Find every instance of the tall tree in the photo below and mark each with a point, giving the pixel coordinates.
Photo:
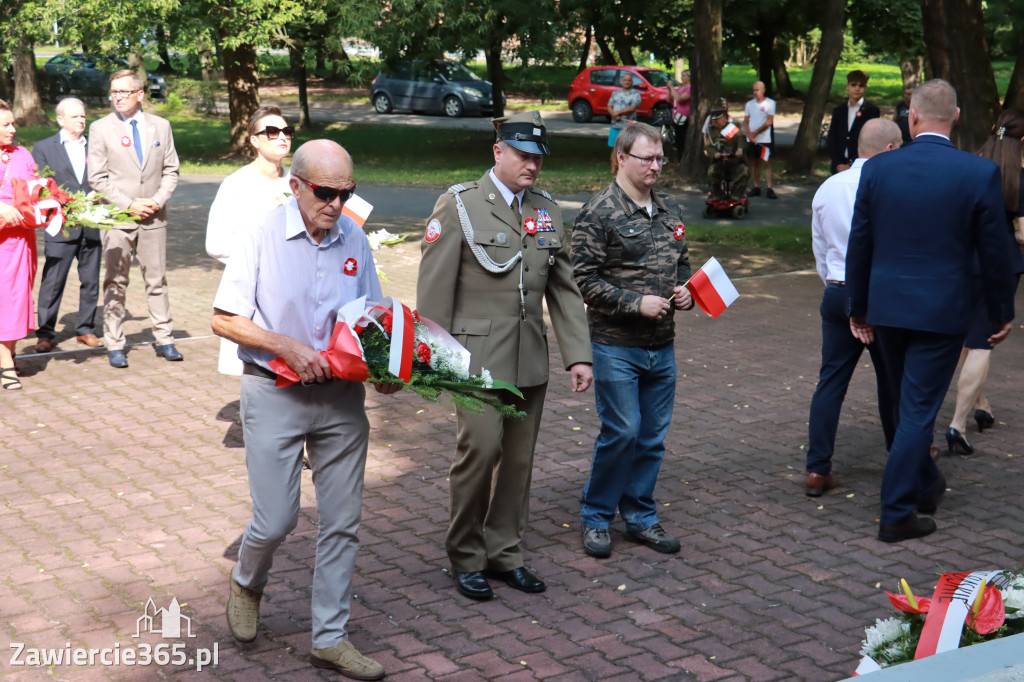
(958, 52)
(892, 29)
(706, 80)
(21, 24)
(805, 147)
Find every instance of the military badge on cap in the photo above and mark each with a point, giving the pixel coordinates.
(433, 231)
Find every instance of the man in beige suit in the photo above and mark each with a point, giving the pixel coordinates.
(494, 251)
(132, 162)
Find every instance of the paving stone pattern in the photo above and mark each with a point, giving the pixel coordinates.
(117, 486)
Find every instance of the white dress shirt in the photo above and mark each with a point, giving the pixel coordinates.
(851, 112)
(143, 133)
(76, 154)
(506, 193)
(831, 217)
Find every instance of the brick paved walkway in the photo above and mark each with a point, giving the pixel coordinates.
(118, 486)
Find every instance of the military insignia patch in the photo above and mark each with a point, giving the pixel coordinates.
(433, 231)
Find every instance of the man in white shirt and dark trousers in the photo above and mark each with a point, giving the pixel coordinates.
(759, 115)
(65, 155)
(832, 213)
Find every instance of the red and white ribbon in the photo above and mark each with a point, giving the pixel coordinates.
(38, 211)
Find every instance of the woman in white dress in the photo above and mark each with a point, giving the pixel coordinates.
(245, 196)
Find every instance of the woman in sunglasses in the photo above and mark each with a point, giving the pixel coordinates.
(246, 195)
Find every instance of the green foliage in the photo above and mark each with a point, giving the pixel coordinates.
(201, 95)
(173, 104)
(786, 238)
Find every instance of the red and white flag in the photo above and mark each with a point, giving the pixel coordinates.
(712, 289)
(765, 153)
(357, 208)
(730, 131)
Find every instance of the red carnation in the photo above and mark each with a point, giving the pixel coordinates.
(385, 322)
(423, 352)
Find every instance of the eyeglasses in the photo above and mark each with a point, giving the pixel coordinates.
(119, 94)
(648, 160)
(328, 194)
(273, 132)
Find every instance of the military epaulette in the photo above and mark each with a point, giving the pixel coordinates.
(542, 192)
(455, 189)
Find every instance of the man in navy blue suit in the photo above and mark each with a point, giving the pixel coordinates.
(65, 154)
(922, 212)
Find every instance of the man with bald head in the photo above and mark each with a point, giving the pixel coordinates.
(758, 118)
(279, 297)
(831, 214)
(922, 213)
(65, 155)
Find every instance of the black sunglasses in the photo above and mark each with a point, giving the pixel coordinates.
(328, 194)
(273, 132)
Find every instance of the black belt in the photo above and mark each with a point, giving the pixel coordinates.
(836, 282)
(257, 371)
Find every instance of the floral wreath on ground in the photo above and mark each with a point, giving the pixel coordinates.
(965, 609)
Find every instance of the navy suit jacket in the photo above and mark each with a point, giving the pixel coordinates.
(922, 211)
(841, 141)
(50, 152)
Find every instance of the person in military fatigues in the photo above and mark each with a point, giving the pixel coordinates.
(723, 144)
(631, 263)
(494, 250)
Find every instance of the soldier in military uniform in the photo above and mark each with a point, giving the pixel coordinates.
(493, 251)
(631, 263)
(723, 142)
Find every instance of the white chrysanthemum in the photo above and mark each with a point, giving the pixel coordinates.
(378, 238)
(881, 634)
(1013, 597)
(486, 376)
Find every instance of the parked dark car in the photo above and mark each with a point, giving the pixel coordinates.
(434, 87)
(89, 76)
(590, 90)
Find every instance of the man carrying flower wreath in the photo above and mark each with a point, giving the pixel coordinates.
(494, 251)
(279, 298)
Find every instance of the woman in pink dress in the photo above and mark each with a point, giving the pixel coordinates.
(17, 251)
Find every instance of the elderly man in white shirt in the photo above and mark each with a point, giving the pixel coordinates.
(832, 213)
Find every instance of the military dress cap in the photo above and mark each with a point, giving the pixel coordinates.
(525, 132)
(721, 108)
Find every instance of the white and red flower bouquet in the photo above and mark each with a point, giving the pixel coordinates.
(43, 203)
(965, 609)
(391, 343)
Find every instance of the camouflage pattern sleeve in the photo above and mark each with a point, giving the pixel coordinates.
(590, 259)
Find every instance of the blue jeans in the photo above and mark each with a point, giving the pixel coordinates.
(635, 390)
(840, 352)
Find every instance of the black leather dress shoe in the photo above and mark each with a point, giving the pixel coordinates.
(519, 579)
(473, 585)
(908, 530)
(957, 443)
(169, 352)
(929, 505)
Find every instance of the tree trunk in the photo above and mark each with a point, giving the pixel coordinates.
(784, 86)
(1015, 90)
(242, 75)
(207, 60)
(28, 107)
(585, 52)
(954, 34)
(805, 147)
(766, 59)
(297, 57)
(607, 56)
(165, 66)
(912, 71)
(6, 86)
(706, 79)
(496, 75)
(678, 66)
(624, 49)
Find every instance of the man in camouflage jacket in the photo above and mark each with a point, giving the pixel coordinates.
(494, 252)
(631, 263)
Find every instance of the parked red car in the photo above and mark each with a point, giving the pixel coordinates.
(590, 90)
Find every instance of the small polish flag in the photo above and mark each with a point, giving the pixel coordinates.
(357, 208)
(730, 131)
(765, 153)
(712, 289)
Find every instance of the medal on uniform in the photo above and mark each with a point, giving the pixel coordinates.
(544, 222)
(680, 231)
(551, 259)
(530, 225)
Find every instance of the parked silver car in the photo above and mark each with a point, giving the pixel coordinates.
(433, 87)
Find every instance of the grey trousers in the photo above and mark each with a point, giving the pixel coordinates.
(330, 420)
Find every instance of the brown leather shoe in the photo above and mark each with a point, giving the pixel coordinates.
(44, 344)
(89, 340)
(817, 484)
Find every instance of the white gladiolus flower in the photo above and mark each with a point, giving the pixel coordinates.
(486, 376)
(1013, 597)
